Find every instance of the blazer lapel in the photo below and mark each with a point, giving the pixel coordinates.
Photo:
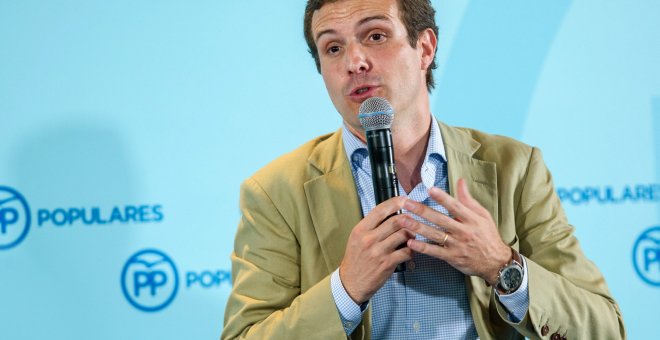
(332, 199)
(480, 176)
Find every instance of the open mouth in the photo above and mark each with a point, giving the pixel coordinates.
(362, 90)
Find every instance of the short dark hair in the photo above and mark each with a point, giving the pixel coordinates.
(416, 15)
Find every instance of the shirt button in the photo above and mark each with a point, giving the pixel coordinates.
(348, 325)
(410, 265)
(416, 326)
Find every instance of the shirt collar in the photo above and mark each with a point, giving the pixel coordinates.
(356, 150)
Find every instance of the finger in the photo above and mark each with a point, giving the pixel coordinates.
(428, 249)
(401, 255)
(454, 206)
(433, 234)
(432, 215)
(464, 196)
(383, 211)
(397, 239)
(410, 234)
(391, 225)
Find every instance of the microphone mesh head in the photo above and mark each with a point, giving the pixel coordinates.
(376, 113)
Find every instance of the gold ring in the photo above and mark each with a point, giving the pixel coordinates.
(445, 240)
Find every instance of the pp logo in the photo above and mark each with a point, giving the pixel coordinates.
(646, 256)
(149, 280)
(14, 218)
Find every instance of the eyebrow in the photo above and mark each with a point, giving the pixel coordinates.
(361, 22)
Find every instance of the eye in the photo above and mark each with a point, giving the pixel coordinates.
(332, 50)
(377, 37)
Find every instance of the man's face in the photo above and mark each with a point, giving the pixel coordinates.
(364, 52)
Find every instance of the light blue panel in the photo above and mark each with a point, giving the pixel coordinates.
(494, 62)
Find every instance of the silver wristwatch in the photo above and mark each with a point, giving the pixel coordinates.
(510, 277)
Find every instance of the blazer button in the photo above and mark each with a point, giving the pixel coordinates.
(555, 336)
(544, 330)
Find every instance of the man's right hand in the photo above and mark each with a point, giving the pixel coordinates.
(371, 252)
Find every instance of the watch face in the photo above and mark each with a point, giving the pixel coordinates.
(511, 278)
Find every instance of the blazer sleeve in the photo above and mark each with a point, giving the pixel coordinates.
(266, 301)
(567, 293)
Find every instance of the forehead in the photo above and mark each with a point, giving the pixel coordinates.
(351, 12)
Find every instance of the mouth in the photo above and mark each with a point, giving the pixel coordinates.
(360, 93)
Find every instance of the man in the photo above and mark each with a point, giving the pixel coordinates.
(495, 261)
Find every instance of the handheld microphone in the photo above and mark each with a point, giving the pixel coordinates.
(376, 116)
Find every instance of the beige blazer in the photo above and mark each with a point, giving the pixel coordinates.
(298, 212)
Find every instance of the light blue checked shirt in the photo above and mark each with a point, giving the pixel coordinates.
(429, 300)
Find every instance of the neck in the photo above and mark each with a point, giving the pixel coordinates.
(410, 143)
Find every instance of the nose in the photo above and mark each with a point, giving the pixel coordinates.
(356, 59)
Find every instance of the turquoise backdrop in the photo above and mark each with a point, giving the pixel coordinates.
(127, 127)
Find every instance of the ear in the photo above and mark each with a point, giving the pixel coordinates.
(427, 42)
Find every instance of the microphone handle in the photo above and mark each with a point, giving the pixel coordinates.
(383, 171)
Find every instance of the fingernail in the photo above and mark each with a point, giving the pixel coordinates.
(410, 244)
(409, 205)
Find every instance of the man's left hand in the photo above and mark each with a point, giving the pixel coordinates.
(470, 242)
